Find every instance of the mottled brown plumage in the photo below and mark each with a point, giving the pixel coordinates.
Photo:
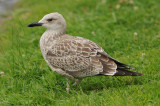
(75, 57)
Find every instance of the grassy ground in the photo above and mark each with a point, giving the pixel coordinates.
(28, 80)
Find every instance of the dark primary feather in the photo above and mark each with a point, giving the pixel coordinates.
(122, 69)
(123, 72)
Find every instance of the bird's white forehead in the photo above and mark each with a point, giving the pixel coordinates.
(52, 15)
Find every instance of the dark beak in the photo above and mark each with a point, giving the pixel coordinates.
(35, 24)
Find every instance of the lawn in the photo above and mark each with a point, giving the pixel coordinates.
(128, 31)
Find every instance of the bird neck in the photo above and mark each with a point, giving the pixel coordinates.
(54, 33)
(49, 36)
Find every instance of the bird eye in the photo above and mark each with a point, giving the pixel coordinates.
(49, 19)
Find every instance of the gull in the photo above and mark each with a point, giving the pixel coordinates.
(75, 57)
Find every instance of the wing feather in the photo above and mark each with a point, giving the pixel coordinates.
(72, 54)
(77, 54)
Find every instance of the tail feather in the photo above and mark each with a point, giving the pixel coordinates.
(123, 72)
(122, 69)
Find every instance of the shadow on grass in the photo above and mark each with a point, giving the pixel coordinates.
(107, 83)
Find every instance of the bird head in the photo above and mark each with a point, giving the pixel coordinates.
(52, 21)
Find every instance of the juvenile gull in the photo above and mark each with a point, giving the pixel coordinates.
(75, 57)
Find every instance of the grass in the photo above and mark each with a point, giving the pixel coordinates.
(28, 80)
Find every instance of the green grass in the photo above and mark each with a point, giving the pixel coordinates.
(29, 81)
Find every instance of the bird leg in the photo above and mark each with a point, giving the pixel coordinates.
(68, 87)
(77, 82)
